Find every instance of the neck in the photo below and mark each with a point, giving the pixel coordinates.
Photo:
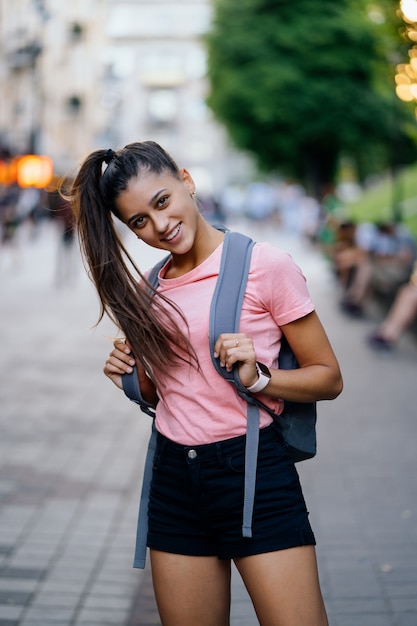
(206, 241)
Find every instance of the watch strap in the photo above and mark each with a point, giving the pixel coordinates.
(261, 383)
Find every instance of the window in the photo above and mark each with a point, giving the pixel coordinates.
(163, 106)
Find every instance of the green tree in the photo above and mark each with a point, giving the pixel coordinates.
(299, 83)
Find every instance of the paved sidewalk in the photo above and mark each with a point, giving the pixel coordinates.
(71, 456)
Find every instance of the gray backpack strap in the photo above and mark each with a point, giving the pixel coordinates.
(251, 462)
(229, 292)
(142, 528)
(131, 388)
(225, 312)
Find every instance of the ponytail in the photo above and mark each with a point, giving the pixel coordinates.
(125, 295)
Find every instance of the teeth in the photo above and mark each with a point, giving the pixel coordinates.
(176, 231)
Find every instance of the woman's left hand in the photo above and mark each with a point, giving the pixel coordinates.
(237, 348)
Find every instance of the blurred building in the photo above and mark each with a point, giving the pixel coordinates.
(51, 72)
(89, 74)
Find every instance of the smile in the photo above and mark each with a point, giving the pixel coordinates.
(173, 234)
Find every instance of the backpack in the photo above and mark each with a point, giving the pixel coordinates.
(297, 422)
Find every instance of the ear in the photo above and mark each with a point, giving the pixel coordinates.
(188, 181)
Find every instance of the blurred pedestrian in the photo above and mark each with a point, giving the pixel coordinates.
(31, 208)
(260, 201)
(401, 315)
(9, 226)
(63, 216)
(380, 266)
(195, 519)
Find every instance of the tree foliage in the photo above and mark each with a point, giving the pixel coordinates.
(298, 83)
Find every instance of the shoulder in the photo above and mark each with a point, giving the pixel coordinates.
(278, 284)
(266, 257)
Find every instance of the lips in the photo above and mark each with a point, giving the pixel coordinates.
(173, 234)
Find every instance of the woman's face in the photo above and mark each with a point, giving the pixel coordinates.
(160, 210)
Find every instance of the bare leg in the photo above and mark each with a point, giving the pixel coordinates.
(346, 261)
(358, 290)
(401, 313)
(191, 590)
(284, 587)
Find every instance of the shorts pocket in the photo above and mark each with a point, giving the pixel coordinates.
(236, 462)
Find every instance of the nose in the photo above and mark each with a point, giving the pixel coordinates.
(161, 223)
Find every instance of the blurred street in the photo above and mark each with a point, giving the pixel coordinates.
(72, 450)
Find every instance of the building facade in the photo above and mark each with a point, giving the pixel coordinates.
(89, 74)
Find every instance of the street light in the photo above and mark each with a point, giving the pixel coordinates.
(406, 73)
(409, 10)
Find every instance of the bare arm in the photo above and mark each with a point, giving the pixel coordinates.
(318, 377)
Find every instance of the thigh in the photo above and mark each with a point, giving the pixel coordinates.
(191, 590)
(284, 587)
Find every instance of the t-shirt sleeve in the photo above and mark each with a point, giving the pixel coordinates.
(280, 284)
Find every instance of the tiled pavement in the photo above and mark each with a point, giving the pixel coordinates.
(71, 455)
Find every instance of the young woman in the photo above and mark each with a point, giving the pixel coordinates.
(196, 500)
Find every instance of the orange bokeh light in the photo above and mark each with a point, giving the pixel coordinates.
(8, 172)
(34, 171)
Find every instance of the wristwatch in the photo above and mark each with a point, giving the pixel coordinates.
(264, 376)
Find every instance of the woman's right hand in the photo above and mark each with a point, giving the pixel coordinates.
(120, 362)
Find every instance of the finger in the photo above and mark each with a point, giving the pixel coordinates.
(116, 356)
(233, 349)
(120, 364)
(227, 341)
(123, 352)
(122, 345)
(110, 370)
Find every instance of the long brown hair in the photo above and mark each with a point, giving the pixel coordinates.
(142, 315)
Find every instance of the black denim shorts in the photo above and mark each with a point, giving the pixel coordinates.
(196, 499)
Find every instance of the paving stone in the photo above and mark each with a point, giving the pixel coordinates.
(109, 601)
(47, 598)
(105, 616)
(358, 606)
(370, 619)
(405, 604)
(12, 598)
(63, 586)
(115, 588)
(50, 615)
(10, 612)
(23, 586)
(44, 621)
(406, 619)
(403, 589)
(20, 572)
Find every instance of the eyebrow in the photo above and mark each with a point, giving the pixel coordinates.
(150, 203)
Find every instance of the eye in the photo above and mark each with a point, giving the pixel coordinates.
(138, 223)
(162, 201)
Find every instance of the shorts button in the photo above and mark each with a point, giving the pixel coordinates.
(192, 454)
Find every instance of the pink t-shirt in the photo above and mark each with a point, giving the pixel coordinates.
(202, 407)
